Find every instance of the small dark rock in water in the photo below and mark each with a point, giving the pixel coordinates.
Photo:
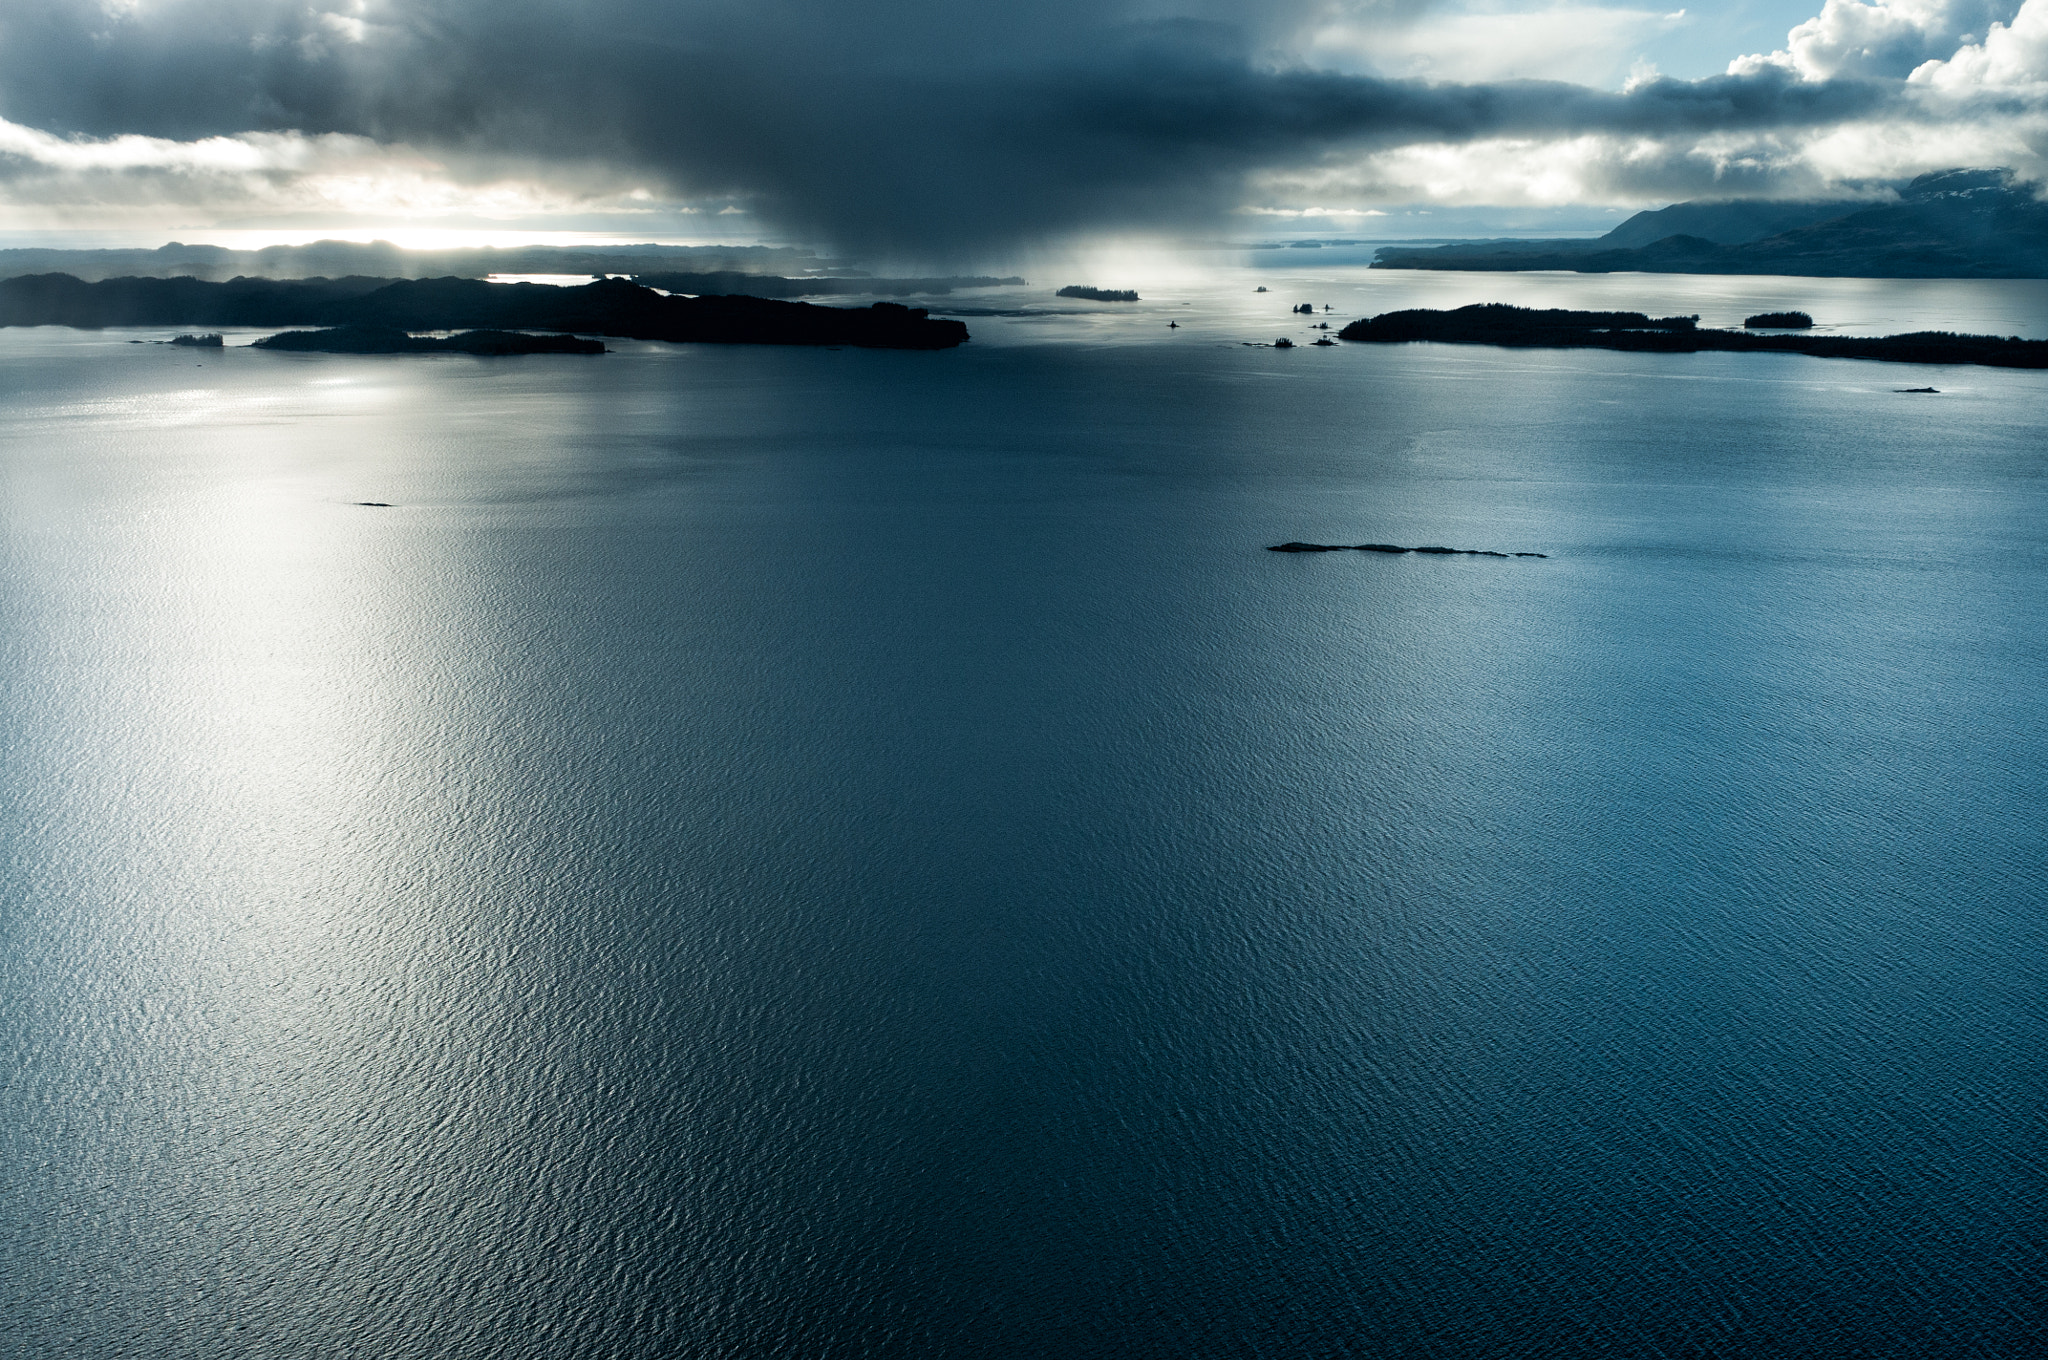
(1306, 309)
(197, 341)
(1326, 340)
(1261, 288)
(1394, 548)
(1283, 343)
(1917, 389)
(381, 505)
(1779, 321)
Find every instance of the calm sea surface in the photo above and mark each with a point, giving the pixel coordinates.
(808, 853)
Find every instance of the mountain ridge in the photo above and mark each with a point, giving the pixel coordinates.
(1946, 224)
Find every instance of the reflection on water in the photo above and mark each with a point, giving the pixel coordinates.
(759, 852)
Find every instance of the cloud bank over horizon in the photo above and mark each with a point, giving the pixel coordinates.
(919, 129)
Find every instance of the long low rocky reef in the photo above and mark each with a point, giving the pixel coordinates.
(610, 307)
(1494, 323)
(1392, 548)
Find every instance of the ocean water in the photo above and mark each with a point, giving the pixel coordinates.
(759, 852)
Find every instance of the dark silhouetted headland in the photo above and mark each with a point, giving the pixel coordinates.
(1076, 290)
(610, 307)
(1778, 321)
(1496, 323)
(387, 340)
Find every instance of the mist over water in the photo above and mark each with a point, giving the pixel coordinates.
(791, 852)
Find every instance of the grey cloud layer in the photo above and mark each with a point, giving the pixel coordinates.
(911, 125)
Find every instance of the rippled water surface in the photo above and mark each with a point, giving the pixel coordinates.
(816, 853)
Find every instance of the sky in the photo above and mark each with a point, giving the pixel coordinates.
(954, 132)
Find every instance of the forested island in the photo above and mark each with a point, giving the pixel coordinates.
(389, 340)
(1494, 323)
(609, 307)
(1081, 290)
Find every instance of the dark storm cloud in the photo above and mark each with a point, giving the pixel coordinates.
(908, 125)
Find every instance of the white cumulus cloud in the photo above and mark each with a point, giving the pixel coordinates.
(2011, 57)
(1874, 38)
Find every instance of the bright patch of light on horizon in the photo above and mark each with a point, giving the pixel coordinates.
(551, 280)
(1117, 262)
(1312, 212)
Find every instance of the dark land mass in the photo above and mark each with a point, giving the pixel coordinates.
(1947, 225)
(1495, 323)
(208, 341)
(1728, 224)
(381, 259)
(1778, 321)
(746, 270)
(1080, 290)
(385, 340)
(771, 286)
(1391, 548)
(611, 307)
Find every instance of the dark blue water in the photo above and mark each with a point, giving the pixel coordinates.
(770, 853)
